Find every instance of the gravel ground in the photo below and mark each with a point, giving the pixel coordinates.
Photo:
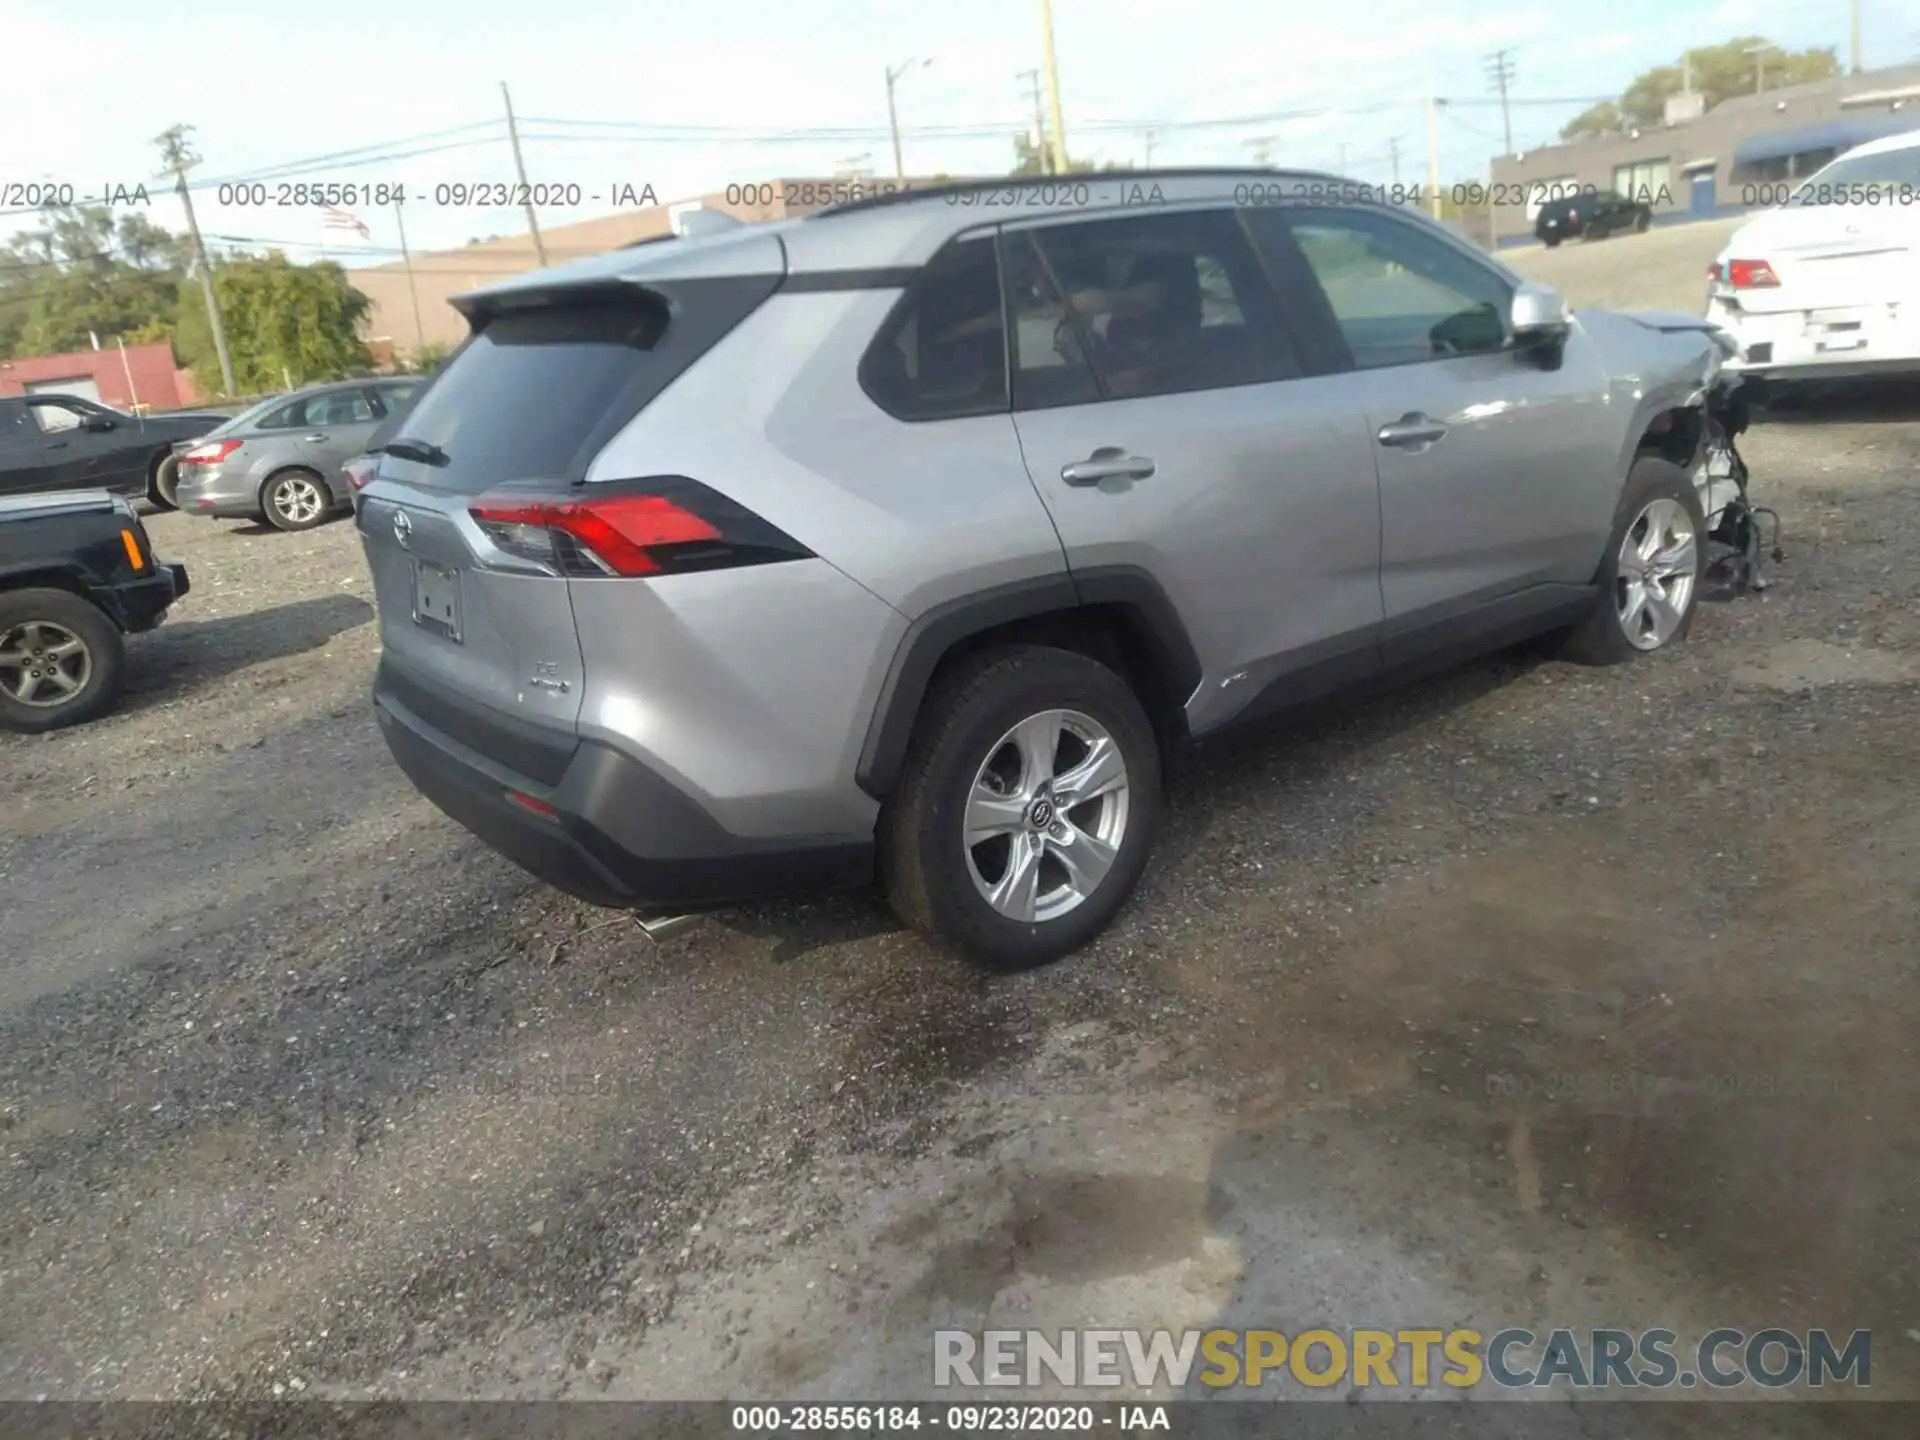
(1530, 992)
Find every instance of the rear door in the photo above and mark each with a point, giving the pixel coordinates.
(1171, 425)
(338, 425)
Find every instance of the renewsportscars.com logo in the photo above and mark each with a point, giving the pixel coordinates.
(1408, 1358)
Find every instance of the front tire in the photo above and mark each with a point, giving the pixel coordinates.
(1650, 578)
(62, 661)
(1027, 808)
(295, 500)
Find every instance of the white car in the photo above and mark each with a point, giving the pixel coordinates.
(1827, 285)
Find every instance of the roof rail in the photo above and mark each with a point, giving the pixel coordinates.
(1003, 182)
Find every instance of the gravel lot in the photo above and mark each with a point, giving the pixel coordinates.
(1531, 993)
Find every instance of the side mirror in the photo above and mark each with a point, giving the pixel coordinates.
(96, 424)
(1539, 315)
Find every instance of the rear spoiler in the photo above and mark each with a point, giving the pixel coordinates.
(478, 307)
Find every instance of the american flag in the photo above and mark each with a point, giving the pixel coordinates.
(338, 219)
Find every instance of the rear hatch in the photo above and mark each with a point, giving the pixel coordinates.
(472, 517)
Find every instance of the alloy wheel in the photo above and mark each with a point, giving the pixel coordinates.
(43, 664)
(1045, 816)
(1658, 568)
(298, 499)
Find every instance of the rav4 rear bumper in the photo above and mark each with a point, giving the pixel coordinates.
(610, 830)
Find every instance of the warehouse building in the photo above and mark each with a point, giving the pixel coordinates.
(1700, 163)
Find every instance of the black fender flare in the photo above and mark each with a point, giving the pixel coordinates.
(1152, 618)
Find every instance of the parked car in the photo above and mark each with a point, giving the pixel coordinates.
(67, 442)
(1591, 215)
(77, 572)
(280, 461)
(750, 562)
(1828, 285)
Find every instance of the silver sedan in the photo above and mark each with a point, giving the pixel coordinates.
(280, 461)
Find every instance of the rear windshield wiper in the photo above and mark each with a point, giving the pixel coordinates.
(424, 451)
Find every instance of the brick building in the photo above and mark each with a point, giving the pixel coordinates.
(140, 377)
(442, 274)
(1720, 161)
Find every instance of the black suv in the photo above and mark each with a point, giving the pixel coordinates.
(1591, 214)
(65, 442)
(76, 573)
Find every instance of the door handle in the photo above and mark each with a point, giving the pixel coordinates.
(1412, 430)
(1109, 462)
(313, 439)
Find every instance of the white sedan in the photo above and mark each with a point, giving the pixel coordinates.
(1828, 284)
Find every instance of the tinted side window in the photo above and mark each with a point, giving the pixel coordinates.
(339, 407)
(1400, 295)
(395, 397)
(942, 353)
(285, 418)
(1050, 364)
(1165, 304)
(53, 415)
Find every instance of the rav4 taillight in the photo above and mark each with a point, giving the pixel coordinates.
(660, 526)
(211, 453)
(1751, 275)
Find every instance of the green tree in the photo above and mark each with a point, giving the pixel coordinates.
(1719, 72)
(83, 272)
(1031, 159)
(283, 321)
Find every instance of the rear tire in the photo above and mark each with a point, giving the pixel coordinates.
(62, 661)
(1650, 577)
(295, 500)
(1642, 222)
(1552, 242)
(163, 483)
(984, 846)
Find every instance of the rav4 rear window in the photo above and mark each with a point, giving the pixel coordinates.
(521, 398)
(536, 394)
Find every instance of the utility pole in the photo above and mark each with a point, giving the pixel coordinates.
(1150, 136)
(1341, 168)
(520, 169)
(1433, 153)
(1855, 17)
(1262, 150)
(179, 159)
(1500, 71)
(413, 290)
(1041, 148)
(894, 72)
(1053, 90)
(1393, 155)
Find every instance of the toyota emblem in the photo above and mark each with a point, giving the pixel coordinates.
(402, 529)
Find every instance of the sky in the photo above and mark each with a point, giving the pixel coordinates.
(688, 96)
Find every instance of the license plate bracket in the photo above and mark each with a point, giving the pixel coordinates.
(436, 599)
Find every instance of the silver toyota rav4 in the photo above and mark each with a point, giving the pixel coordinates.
(913, 538)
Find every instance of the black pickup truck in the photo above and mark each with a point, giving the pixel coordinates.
(77, 572)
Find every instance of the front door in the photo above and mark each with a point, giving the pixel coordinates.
(1496, 473)
(1171, 427)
